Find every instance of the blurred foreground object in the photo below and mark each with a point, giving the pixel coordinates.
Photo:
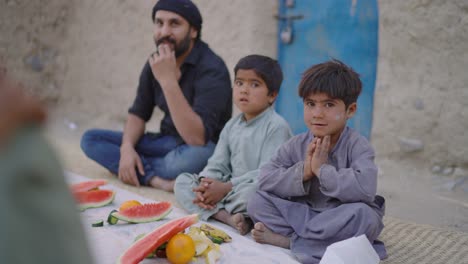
(38, 223)
(16, 109)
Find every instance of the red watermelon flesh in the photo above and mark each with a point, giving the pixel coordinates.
(94, 198)
(148, 244)
(145, 213)
(87, 185)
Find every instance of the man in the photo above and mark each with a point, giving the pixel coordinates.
(190, 84)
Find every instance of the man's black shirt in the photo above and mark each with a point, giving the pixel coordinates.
(206, 85)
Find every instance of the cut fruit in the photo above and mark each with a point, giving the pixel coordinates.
(111, 219)
(94, 198)
(149, 243)
(202, 242)
(180, 249)
(129, 204)
(145, 213)
(216, 240)
(139, 236)
(150, 255)
(87, 185)
(161, 251)
(216, 235)
(98, 223)
(212, 255)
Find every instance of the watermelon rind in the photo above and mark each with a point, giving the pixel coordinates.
(87, 185)
(144, 213)
(97, 223)
(111, 219)
(150, 242)
(95, 204)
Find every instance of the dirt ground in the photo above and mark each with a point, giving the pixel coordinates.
(83, 57)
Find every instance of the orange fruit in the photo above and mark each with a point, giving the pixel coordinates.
(128, 204)
(180, 249)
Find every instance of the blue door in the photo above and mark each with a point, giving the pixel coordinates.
(315, 31)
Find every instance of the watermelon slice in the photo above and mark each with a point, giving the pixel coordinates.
(148, 244)
(94, 198)
(144, 213)
(87, 185)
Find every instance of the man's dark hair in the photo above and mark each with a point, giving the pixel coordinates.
(267, 68)
(333, 78)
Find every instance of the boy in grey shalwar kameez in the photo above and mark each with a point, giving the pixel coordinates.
(222, 189)
(320, 187)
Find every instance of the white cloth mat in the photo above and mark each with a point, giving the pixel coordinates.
(107, 243)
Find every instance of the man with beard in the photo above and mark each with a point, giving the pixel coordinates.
(190, 84)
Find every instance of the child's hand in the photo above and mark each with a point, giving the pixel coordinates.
(308, 173)
(199, 199)
(320, 154)
(215, 190)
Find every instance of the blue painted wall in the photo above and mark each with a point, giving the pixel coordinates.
(343, 29)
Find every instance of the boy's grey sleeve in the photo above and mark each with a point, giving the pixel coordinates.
(272, 142)
(358, 183)
(283, 175)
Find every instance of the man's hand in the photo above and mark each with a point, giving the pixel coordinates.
(164, 67)
(320, 155)
(129, 162)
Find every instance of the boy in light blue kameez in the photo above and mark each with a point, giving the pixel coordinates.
(222, 189)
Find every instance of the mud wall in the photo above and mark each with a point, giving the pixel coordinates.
(30, 37)
(84, 58)
(421, 100)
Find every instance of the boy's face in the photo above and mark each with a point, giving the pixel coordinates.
(326, 116)
(250, 93)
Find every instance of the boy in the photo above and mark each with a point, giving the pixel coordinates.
(320, 186)
(247, 141)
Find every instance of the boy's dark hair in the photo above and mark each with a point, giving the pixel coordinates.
(267, 68)
(333, 78)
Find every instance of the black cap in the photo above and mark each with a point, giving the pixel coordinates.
(185, 8)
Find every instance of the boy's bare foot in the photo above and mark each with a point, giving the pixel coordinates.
(237, 221)
(242, 224)
(160, 183)
(263, 235)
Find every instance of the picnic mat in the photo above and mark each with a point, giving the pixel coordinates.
(409, 243)
(406, 242)
(107, 243)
